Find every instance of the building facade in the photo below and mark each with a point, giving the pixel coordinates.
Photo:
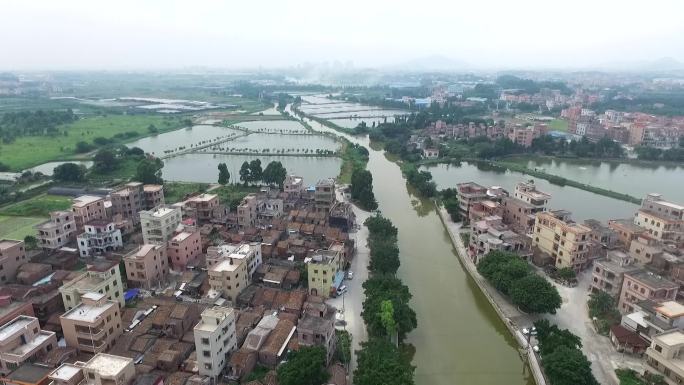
(56, 232)
(22, 340)
(663, 219)
(324, 196)
(128, 201)
(185, 247)
(663, 357)
(249, 253)
(322, 269)
(202, 207)
(468, 194)
(87, 208)
(94, 325)
(12, 255)
(643, 285)
(159, 224)
(607, 275)
(565, 241)
(215, 340)
(103, 277)
(147, 266)
(229, 277)
(99, 237)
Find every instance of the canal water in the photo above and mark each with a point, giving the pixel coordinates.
(459, 339)
(582, 204)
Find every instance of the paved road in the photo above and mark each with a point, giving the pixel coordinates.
(353, 299)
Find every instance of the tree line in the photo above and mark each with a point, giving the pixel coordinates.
(33, 123)
(386, 312)
(252, 172)
(362, 189)
(563, 361)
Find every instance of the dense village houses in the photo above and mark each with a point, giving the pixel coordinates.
(22, 340)
(519, 210)
(645, 285)
(93, 325)
(101, 277)
(608, 273)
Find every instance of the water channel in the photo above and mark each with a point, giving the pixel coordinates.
(459, 339)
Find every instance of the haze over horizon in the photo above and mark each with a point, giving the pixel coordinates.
(527, 34)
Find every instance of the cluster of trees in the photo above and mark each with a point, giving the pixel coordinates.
(69, 172)
(563, 361)
(603, 148)
(603, 309)
(671, 154)
(450, 202)
(149, 171)
(305, 366)
(512, 276)
(420, 180)
(530, 86)
(386, 312)
(33, 123)
(362, 189)
(251, 172)
(668, 103)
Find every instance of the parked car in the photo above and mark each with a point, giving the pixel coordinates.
(341, 290)
(531, 331)
(350, 274)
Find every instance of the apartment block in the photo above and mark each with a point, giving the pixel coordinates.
(247, 212)
(468, 194)
(626, 231)
(215, 340)
(324, 195)
(11, 309)
(249, 253)
(22, 340)
(66, 374)
(293, 185)
(154, 196)
(184, 248)
(564, 241)
(108, 369)
(12, 255)
(607, 274)
(202, 207)
(663, 357)
(323, 270)
(56, 232)
(102, 277)
(147, 266)
(652, 318)
(663, 219)
(159, 224)
(87, 208)
(94, 325)
(491, 234)
(643, 285)
(229, 277)
(128, 201)
(100, 236)
(645, 248)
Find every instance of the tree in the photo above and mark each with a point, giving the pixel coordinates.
(104, 161)
(362, 189)
(135, 151)
(274, 173)
(534, 294)
(387, 318)
(69, 172)
(551, 337)
(566, 274)
(255, 171)
(149, 171)
(568, 366)
(224, 174)
(31, 242)
(245, 174)
(381, 288)
(379, 362)
(305, 366)
(83, 147)
(152, 129)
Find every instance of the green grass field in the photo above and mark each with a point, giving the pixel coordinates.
(559, 125)
(31, 151)
(17, 227)
(176, 191)
(38, 206)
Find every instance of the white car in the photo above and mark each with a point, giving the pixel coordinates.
(341, 290)
(350, 274)
(532, 331)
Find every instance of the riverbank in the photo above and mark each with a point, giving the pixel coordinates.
(509, 315)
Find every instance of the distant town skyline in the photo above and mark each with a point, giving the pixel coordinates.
(121, 35)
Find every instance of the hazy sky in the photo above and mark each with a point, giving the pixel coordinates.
(139, 34)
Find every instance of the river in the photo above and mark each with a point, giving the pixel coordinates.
(459, 338)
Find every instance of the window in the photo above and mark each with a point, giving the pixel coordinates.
(206, 353)
(205, 341)
(207, 366)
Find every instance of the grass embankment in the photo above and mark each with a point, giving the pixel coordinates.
(559, 180)
(352, 158)
(38, 206)
(31, 151)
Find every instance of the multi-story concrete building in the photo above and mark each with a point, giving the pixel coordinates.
(608, 274)
(202, 207)
(468, 194)
(229, 277)
(652, 318)
(102, 277)
(247, 212)
(643, 285)
(128, 201)
(159, 224)
(94, 325)
(322, 271)
(663, 357)
(663, 219)
(184, 248)
(626, 231)
(22, 340)
(108, 369)
(11, 309)
(324, 196)
(99, 237)
(483, 209)
(147, 266)
(490, 234)
(525, 135)
(67, 374)
(250, 253)
(566, 242)
(645, 248)
(293, 185)
(317, 331)
(87, 208)
(12, 255)
(215, 340)
(56, 232)
(154, 196)
(520, 209)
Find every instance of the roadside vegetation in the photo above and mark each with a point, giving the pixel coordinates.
(561, 357)
(513, 277)
(305, 366)
(603, 311)
(631, 377)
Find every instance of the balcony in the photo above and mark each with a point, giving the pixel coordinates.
(88, 333)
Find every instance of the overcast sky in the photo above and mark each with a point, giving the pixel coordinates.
(164, 34)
